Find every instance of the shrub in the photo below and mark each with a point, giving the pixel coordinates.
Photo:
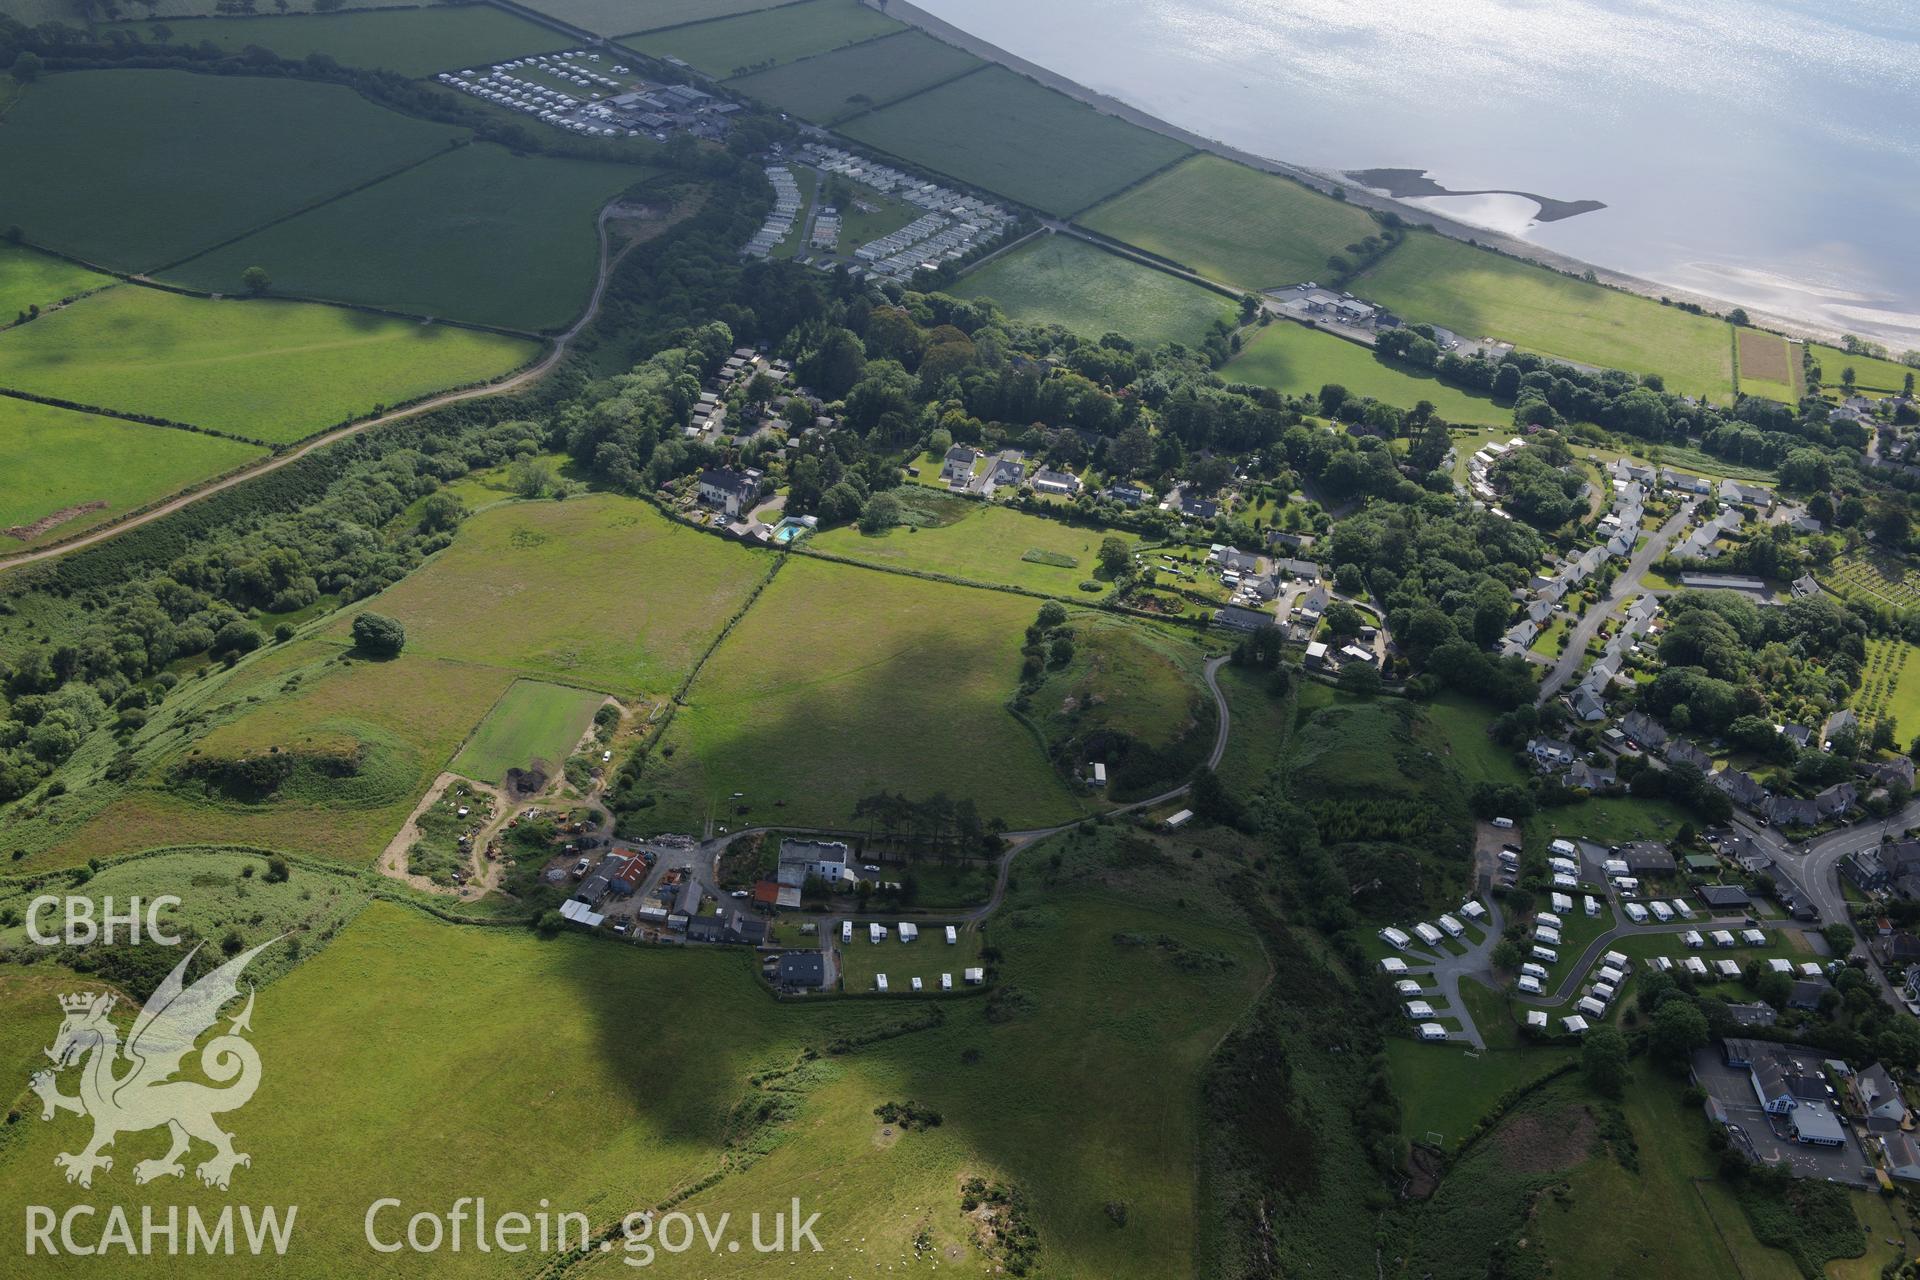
(378, 636)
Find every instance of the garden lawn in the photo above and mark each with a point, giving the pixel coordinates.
(261, 370)
(835, 86)
(1430, 278)
(842, 682)
(755, 41)
(598, 590)
(1873, 377)
(55, 461)
(532, 721)
(30, 279)
(1059, 280)
(478, 234)
(1291, 357)
(1006, 133)
(986, 544)
(412, 42)
(525, 1106)
(1233, 224)
(202, 158)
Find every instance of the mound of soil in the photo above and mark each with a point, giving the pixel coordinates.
(530, 781)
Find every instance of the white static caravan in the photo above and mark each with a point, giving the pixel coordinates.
(1781, 966)
(880, 981)
(1099, 774)
(1564, 881)
(1547, 937)
(1728, 968)
(1591, 1007)
(1537, 1019)
(1611, 976)
(1395, 938)
(953, 935)
(1604, 992)
(1545, 955)
(1427, 934)
(1393, 964)
(1179, 819)
(1616, 960)
(909, 932)
(1565, 866)
(1451, 927)
(1505, 824)
(1616, 867)
(1811, 969)
(1626, 884)
(1693, 939)
(846, 931)
(916, 984)
(1561, 902)
(974, 977)
(1593, 905)
(1753, 937)
(1407, 987)
(946, 982)
(1529, 984)
(1564, 848)
(1661, 911)
(1663, 963)
(1635, 912)
(1681, 909)
(1721, 938)
(876, 933)
(1696, 966)
(1418, 1009)
(1547, 918)
(1472, 910)
(1533, 970)
(1575, 1025)
(1432, 1031)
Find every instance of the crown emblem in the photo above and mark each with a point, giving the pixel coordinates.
(82, 1001)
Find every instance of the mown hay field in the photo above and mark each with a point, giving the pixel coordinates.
(1061, 280)
(983, 543)
(258, 369)
(533, 720)
(1294, 358)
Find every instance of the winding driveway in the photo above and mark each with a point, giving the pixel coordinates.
(513, 382)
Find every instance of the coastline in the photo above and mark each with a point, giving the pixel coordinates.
(1513, 246)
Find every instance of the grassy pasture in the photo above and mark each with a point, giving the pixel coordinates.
(985, 544)
(1232, 223)
(262, 370)
(902, 962)
(1060, 280)
(1292, 357)
(440, 1045)
(599, 590)
(29, 279)
(203, 158)
(1261, 724)
(1005, 133)
(400, 721)
(1769, 366)
(477, 234)
(55, 460)
(1873, 377)
(1482, 294)
(835, 86)
(532, 721)
(412, 42)
(624, 17)
(751, 42)
(1889, 687)
(840, 682)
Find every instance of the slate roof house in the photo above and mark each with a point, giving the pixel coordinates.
(730, 491)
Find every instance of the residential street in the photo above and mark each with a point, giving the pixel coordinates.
(1627, 584)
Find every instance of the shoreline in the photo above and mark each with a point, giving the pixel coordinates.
(1325, 182)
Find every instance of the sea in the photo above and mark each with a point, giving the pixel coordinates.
(1763, 152)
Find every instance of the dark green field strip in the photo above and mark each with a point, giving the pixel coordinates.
(201, 158)
(842, 84)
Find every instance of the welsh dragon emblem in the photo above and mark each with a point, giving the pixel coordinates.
(126, 1090)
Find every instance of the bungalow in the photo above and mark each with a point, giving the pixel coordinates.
(957, 468)
(1647, 858)
(1724, 897)
(1291, 541)
(1903, 1156)
(1234, 560)
(1592, 777)
(1235, 618)
(1127, 495)
(1007, 470)
(730, 491)
(1684, 482)
(801, 970)
(1748, 494)
(1059, 483)
(1307, 569)
(1804, 586)
(1798, 734)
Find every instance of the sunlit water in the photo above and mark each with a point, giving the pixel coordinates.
(1762, 151)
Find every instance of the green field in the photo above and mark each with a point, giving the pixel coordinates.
(985, 543)
(902, 962)
(840, 682)
(363, 741)
(846, 82)
(755, 41)
(413, 42)
(1058, 279)
(1889, 687)
(1872, 377)
(261, 370)
(624, 17)
(1769, 366)
(597, 590)
(55, 460)
(478, 234)
(1005, 133)
(29, 279)
(1261, 724)
(532, 721)
(203, 158)
(1233, 224)
(1477, 293)
(1292, 357)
